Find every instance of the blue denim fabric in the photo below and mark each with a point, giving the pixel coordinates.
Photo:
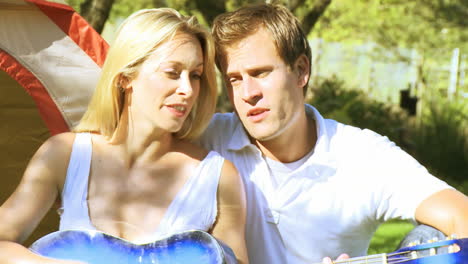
(422, 234)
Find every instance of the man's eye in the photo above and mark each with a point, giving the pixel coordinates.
(233, 80)
(261, 74)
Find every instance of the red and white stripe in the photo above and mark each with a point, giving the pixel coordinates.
(54, 54)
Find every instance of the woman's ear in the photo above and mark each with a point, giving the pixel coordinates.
(124, 82)
(302, 67)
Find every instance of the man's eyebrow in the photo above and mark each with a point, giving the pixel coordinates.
(260, 68)
(231, 73)
(251, 69)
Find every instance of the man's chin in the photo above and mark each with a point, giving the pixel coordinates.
(261, 131)
(261, 136)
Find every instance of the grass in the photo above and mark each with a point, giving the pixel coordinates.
(388, 236)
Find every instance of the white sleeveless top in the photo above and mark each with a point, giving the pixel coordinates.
(194, 207)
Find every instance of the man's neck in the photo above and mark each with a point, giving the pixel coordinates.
(292, 144)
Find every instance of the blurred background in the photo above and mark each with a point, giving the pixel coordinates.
(397, 67)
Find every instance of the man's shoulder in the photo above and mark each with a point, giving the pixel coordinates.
(354, 142)
(220, 131)
(335, 129)
(222, 122)
(349, 135)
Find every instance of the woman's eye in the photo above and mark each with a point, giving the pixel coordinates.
(172, 74)
(196, 76)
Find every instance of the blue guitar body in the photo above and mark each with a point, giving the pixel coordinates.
(96, 247)
(200, 247)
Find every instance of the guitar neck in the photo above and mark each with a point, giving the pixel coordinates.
(452, 251)
(371, 259)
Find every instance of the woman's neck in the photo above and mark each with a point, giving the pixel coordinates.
(141, 141)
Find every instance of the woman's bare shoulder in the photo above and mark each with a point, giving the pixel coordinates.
(52, 157)
(56, 146)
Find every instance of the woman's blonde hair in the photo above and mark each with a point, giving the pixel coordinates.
(136, 39)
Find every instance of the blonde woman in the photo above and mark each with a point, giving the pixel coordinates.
(129, 168)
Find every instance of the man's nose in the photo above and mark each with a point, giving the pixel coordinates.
(251, 92)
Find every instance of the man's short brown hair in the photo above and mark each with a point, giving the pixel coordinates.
(289, 38)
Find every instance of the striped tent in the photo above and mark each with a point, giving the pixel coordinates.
(50, 60)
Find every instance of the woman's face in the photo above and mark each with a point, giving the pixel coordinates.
(168, 83)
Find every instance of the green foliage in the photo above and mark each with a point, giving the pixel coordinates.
(75, 4)
(441, 140)
(123, 8)
(388, 236)
(352, 106)
(421, 24)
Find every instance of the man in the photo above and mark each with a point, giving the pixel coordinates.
(315, 187)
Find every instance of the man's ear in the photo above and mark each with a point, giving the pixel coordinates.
(302, 68)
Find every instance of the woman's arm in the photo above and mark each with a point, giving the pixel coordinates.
(230, 223)
(34, 196)
(14, 253)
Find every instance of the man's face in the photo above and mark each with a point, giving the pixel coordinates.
(266, 93)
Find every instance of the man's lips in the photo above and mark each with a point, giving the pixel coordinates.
(257, 114)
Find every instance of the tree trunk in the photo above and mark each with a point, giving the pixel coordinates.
(210, 9)
(96, 12)
(313, 15)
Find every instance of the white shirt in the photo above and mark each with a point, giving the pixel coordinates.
(333, 203)
(280, 172)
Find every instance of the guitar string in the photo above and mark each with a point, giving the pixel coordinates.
(369, 259)
(376, 259)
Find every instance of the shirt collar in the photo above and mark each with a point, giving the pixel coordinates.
(239, 139)
(323, 140)
(322, 161)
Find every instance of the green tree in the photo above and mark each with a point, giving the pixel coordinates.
(96, 12)
(431, 29)
(307, 11)
(422, 24)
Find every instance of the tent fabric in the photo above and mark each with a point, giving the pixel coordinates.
(45, 49)
(47, 108)
(50, 60)
(76, 28)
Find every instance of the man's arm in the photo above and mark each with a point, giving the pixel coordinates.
(446, 210)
